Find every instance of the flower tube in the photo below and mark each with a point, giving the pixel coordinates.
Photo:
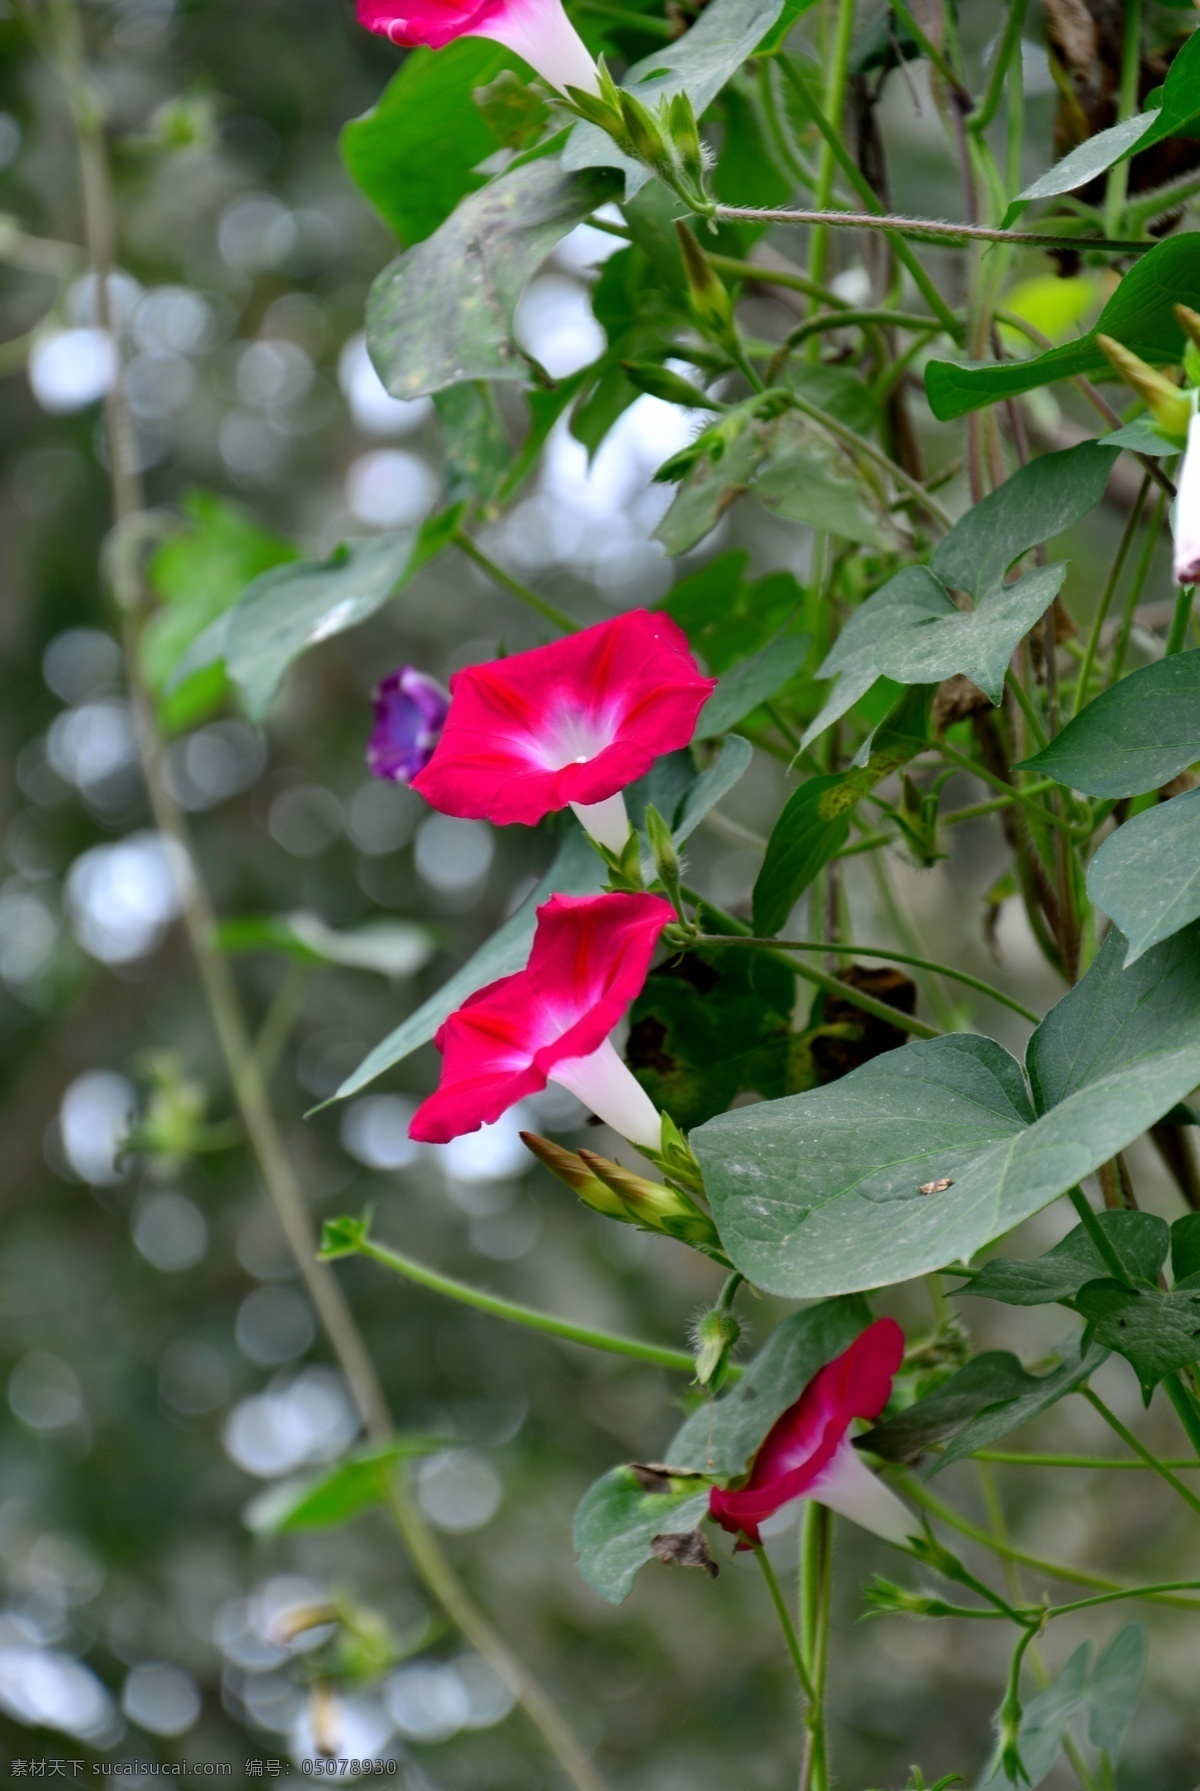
(410, 712)
(1186, 517)
(808, 1453)
(570, 724)
(538, 30)
(551, 1023)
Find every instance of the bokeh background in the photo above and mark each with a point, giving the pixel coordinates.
(160, 1363)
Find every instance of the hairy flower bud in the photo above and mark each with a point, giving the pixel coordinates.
(1170, 408)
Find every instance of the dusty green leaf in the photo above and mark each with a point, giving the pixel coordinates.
(616, 1522)
(752, 681)
(443, 311)
(1146, 875)
(1116, 1687)
(1140, 1239)
(820, 1193)
(1038, 502)
(1132, 738)
(1156, 1330)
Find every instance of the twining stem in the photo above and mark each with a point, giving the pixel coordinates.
(938, 229)
(529, 1316)
(878, 1009)
(1010, 1551)
(930, 50)
(1010, 791)
(983, 114)
(216, 978)
(1127, 1437)
(1177, 637)
(541, 606)
(785, 1623)
(1106, 596)
(1146, 1592)
(1117, 184)
(816, 1581)
(891, 957)
(1015, 1459)
(834, 100)
(862, 187)
(1103, 1244)
(1131, 1442)
(1116, 664)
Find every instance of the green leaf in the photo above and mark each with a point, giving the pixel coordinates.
(1146, 875)
(809, 475)
(912, 632)
(1178, 114)
(1142, 436)
(814, 825)
(1155, 1331)
(576, 870)
(699, 63)
(197, 575)
(477, 455)
(1140, 1239)
(711, 1025)
(616, 1522)
(1139, 314)
(1040, 500)
(753, 681)
(392, 947)
(820, 1193)
(988, 1397)
(294, 607)
(1084, 162)
(414, 154)
(708, 789)
(1132, 738)
(323, 1501)
(443, 311)
(1185, 1247)
(719, 1439)
(1116, 1687)
(725, 615)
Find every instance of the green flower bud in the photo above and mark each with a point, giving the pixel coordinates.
(578, 1176)
(1169, 407)
(717, 1336)
(710, 302)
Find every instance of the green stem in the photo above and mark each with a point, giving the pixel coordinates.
(1148, 207)
(1009, 44)
(785, 1622)
(529, 1316)
(764, 275)
(739, 930)
(1104, 1246)
(1117, 184)
(1106, 596)
(1142, 573)
(1009, 1551)
(540, 605)
(933, 54)
(1011, 1458)
(838, 320)
(989, 777)
(1185, 1407)
(937, 229)
(975, 810)
(862, 187)
(815, 1587)
(1147, 1592)
(831, 111)
(1131, 1442)
(1180, 619)
(1025, 704)
(890, 957)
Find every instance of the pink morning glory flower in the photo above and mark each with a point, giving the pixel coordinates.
(568, 724)
(551, 1023)
(538, 30)
(410, 711)
(808, 1454)
(1186, 520)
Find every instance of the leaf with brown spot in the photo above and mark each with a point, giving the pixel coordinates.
(685, 1548)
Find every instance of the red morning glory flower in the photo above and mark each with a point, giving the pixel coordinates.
(808, 1454)
(410, 712)
(551, 1023)
(538, 30)
(572, 723)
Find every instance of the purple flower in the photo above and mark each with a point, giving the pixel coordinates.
(410, 711)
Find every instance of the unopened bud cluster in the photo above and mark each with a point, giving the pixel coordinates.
(666, 140)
